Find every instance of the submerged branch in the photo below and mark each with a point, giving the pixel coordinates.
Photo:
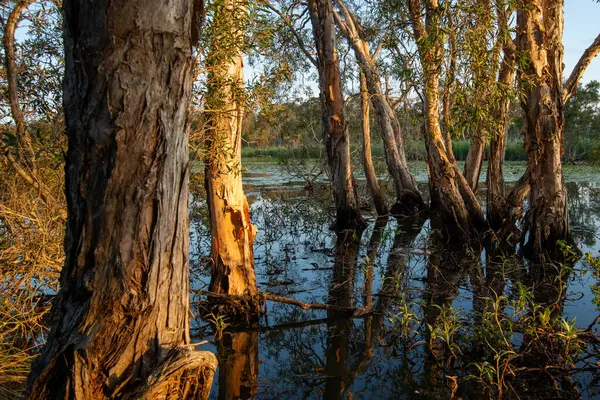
(286, 300)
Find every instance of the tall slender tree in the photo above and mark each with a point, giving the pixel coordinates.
(335, 126)
(232, 234)
(539, 41)
(408, 198)
(451, 197)
(120, 322)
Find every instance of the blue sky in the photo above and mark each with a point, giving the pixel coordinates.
(582, 25)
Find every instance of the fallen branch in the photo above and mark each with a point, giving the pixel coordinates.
(286, 300)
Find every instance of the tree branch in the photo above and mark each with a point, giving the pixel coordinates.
(297, 36)
(286, 300)
(586, 58)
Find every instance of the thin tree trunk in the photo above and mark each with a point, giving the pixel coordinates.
(335, 126)
(23, 143)
(367, 157)
(483, 66)
(474, 160)
(539, 38)
(498, 215)
(232, 234)
(120, 322)
(408, 198)
(26, 166)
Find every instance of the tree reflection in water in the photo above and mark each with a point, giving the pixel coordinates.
(445, 322)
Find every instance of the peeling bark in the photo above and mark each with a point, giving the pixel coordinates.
(454, 201)
(539, 38)
(232, 234)
(335, 126)
(122, 313)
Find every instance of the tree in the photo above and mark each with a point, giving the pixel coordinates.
(451, 196)
(335, 127)
(231, 231)
(408, 198)
(367, 156)
(120, 322)
(539, 40)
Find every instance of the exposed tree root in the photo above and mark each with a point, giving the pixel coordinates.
(184, 374)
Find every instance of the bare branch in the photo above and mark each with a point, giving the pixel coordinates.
(586, 58)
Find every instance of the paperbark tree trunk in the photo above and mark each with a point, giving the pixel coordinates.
(455, 202)
(408, 198)
(370, 174)
(335, 126)
(540, 29)
(120, 322)
(232, 234)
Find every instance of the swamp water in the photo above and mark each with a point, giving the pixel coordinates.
(446, 322)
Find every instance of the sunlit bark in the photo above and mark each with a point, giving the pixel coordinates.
(335, 126)
(408, 198)
(367, 156)
(453, 199)
(539, 39)
(232, 234)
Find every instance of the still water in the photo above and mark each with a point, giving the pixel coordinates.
(447, 322)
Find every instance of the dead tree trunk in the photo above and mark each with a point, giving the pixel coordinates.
(335, 126)
(367, 156)
(539, 39)
(454, 200)
(408, 198)
(120, 322)
(232, 234)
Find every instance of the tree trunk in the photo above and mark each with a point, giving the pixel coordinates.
(367, 157)
(408, 198)
(498, 215)
(23, 158)
(23, 142)
(540, 29)
(454, 200)
(232, 234)
(335, 126)
(120, 322)
(474, 160)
